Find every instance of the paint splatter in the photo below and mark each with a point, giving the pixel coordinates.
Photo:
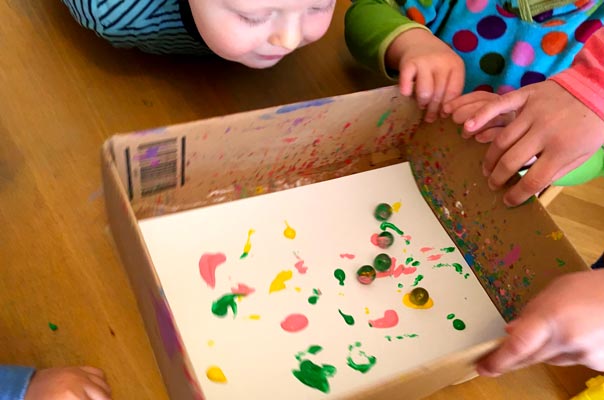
(407, 302)
(294, 323)
(457, 266)
(389, 225)
(556, 235)
(242, 289)
(403, 336)
(220, 307)
(561, 262)
(301, 267)
(366, 310)
(248, 244)
(279, 282)
(396, 206)
(340, 275)
(457, 323)
(383, 118)
(311, 374)
(511, 257)
(215, 374)
(434, 257)
(426, 249)
(417, 280)
(315, 297)
(448, 249)
(254, 317)
(364, 366)
(207, 267)
(211, 343)
(348, 256)
(389, 320)
(289, 232)
(349, 319)
(52, 327)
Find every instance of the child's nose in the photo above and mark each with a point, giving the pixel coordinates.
(289, 36)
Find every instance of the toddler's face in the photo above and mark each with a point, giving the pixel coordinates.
(259, 33)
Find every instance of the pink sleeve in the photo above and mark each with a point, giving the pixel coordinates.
(585, 78)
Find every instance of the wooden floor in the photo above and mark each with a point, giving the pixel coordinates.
(63, 92)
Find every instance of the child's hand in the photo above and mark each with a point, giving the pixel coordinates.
(438, 72)
(550, 123)
(82, 383)
(562, 325)
(464, 107)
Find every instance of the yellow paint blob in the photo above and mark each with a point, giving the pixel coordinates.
(396, 206)
(289, 232)
(556, 235)
(211, 343)
(255, 317)
(366, 310)
(340, 294)
(248, 243)
(279, 282)
(409, 304)
(298, 289)
(215, 374)
(259, 190)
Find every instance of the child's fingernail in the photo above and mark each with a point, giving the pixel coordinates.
(470, 123)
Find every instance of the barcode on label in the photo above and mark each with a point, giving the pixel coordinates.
(158, 163)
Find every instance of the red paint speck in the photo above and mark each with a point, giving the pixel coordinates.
(243, 289)
(301, 267)
(294, 323)
(207, 267)
(426, 249)
(435, 257)
(348, 256)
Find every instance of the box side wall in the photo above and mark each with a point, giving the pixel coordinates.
(514, 252)
(163, 335)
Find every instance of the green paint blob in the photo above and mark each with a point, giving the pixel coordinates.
(220, 307)
(52, 326)
(459, 324)
(361, 367)
(450, 316)
(349, 319)
(415, 263)
(400, 285)
(313, 299)
(466, 276)
(389, 225)
(561, 262)
(458, 268)
(340, 275)
(383, 118)
(311, 374)
(243, 256)
(417, 280)
(389, 338)
(448, 249)
(408, 260)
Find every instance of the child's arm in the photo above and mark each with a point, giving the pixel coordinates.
(84, 383)
(562, 325)
(378, 35)
(14, 381)
(561, 122)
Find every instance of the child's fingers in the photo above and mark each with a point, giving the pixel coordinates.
(530, 334)
(407, 76)
(95, 392)
(454, 88)
(440, 84)
(539, 175)
(502, 143)
(469, 98)
(424, 87)
(93, 371)
(509, 102)
(100, 383)
(488, 135)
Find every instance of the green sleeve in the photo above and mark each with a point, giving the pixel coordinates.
(370, 27)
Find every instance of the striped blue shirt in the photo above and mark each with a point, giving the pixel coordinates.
(153, 26)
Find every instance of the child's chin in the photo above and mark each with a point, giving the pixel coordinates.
(260, 64)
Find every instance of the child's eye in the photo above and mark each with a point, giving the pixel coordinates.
(319, 9)
(253, 21)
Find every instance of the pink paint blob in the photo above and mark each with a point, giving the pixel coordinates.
(426, 249)
(511, 257)
(435, 257)
(290, 139)
(207, 267)
(407, 237)
(243, 289)
(294, 323)
(374, 239)
(409, 270)
(301, 267)
(348, 256)
(398, 271)
(389, 320)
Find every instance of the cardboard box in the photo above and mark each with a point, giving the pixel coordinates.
(513, 252)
